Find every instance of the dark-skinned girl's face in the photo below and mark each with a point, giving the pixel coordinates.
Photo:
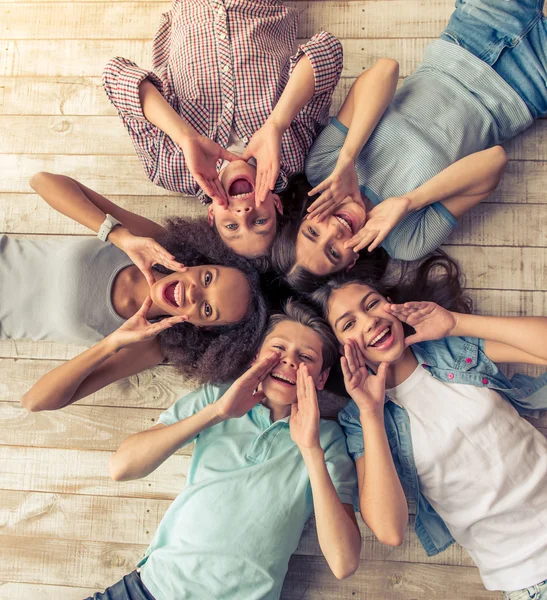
(210, 295)
(357, 311)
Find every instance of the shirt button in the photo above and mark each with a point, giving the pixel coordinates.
(225, 69)
(229, 105)
(424, 366)
(485, 381)
(451, 376)
(244, 139)
(222, 36)
(468, 360)
(220, 11)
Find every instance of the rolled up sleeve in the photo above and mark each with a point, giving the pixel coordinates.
(324, 51)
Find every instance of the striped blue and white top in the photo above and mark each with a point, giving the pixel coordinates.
(454, 104)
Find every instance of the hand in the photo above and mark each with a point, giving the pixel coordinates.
(201, 155)
(304, 422)
(431, 321)
(265, 146)
(336, 188)
(242, 395)
(145, 253)
(366, 390)
(381, 220)
(139, 329)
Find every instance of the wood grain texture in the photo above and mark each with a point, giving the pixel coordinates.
(106, 135)
(309, 578)
(369, 19)
(24, 591)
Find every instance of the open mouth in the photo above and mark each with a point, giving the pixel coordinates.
(346, 220)
(283, 379)
(382, 340)
(240, 188)
(172, 294)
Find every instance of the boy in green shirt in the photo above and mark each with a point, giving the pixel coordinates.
(263, 462)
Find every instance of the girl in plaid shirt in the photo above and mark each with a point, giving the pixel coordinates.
(224, 87)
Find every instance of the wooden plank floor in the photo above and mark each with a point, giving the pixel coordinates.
(66, 529)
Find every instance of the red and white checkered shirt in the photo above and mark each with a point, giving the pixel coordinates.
(223, 64)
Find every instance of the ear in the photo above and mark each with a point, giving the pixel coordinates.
(211, 215)
(277, 203)
(352, 264)
(322, 379)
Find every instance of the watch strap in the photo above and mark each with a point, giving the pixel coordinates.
(108, 225)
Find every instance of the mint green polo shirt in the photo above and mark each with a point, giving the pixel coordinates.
(230, 533)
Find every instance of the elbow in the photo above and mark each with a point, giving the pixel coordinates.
(32, 404)
(389, 66)
(38, 179)
(117, 469)
(392, 538)
(346, 569)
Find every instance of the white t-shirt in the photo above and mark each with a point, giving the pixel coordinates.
(237, 146)
(484, 470)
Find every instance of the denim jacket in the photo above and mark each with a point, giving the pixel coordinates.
(453, 360)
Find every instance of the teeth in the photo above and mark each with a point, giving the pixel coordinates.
(379, 336)
(237, 196)
(283, 378)
(176, 294)
(344, 222)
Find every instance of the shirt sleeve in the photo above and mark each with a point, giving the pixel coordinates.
(349, 420)
(325, 54)
(192, 403)
(339, 465)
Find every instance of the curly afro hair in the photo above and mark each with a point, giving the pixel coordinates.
(211, 354)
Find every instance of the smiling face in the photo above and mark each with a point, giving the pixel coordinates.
(358, 312)
(246, 229)
(209, 295)
(296, 343)
(320, 246)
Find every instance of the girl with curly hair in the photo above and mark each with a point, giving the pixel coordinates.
(197, 297)
(447, 425)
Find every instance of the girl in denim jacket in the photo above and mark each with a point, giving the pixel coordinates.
(439, 416)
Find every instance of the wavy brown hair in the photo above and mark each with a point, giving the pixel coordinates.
(283, 253)
(220, 353)
(437, 278)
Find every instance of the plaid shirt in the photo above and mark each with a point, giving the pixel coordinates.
(223, 64)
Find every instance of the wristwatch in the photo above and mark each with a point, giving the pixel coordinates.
(108, 225)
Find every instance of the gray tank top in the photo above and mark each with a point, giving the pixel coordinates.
(58, 289)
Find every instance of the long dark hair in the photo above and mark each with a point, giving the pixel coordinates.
(206, 354)
(283, 254)
(436, 278)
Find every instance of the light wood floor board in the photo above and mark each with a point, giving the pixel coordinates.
(66, 529)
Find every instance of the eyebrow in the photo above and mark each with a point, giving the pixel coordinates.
(347, 313)
(284, 339)
(216, 275)
(329, 256)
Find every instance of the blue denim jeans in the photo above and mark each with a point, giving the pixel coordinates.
(535, 592)
(130, 587)
(511, 37)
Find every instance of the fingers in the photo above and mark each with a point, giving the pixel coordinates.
(150, 279)
(220, 192)
(322, 207)
(362, 239)
(168, 323)
(273, 176)
(381, 373)
(264, 367)
(379, 239)
(357, 354)
(319, 188)
(413, 339)
(345, 370)
(230, 156)
(145, 306)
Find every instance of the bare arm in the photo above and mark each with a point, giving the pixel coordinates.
(475, 175)
(200, 153)
(337, 529)
(143, 452)
(507, 339)
(83, 205)
(127, 351)
(382, 502)
(363, 108)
